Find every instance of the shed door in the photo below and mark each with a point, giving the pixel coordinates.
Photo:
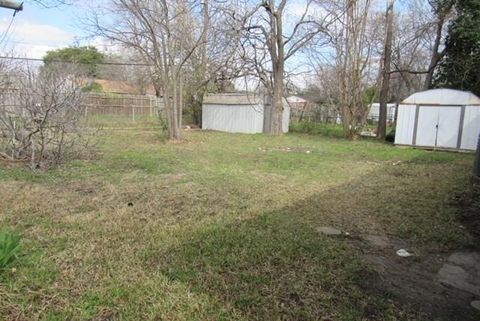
(427, 126)
(438, 126)
(448, 126)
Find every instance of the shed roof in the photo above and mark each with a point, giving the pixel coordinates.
(447, 97)
(233, 99)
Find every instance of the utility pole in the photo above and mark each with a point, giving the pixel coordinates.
(11, 5)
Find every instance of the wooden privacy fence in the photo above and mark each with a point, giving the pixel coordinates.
(122, 105)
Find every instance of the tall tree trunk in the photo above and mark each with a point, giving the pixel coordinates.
(180, 102)
(436, 56)
(196, 102)
(277, 54)
(171, 111)
(202, 90)
(387, 60)
(276, 114)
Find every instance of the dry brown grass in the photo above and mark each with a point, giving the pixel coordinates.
(220, 227)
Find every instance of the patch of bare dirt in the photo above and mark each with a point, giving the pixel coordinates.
(413, 281)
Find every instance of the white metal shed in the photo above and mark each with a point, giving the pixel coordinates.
(439, 118)
(374, 113)
(238, 113)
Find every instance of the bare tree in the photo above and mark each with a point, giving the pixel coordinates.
(137, 75)
(40, 110)
(442, 10)
(387, 60)
(326, 80)
(267, 46)
(353, 35)
(421, 31)
(216, 62)
(165, 33)
(53, 3)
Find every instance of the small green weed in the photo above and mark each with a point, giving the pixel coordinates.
(9, 247)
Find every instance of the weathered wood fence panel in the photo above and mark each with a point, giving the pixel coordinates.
(122, 105)
(98, 104)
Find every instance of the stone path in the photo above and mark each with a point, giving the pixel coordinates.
(453, 292)
(462, 271)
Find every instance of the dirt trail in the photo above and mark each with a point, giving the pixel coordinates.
(415, 280)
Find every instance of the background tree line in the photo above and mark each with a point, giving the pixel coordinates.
(357, 51)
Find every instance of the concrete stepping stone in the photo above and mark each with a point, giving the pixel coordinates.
(462, 271)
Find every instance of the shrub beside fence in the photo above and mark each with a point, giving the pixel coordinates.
(330, 130)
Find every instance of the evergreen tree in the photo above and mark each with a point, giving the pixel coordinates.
(460, 67)
(88, 57)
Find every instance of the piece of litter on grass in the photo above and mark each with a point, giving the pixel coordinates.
(403, 253)
(308, 152)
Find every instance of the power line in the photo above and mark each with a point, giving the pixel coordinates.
(9, 26)
(81, 63)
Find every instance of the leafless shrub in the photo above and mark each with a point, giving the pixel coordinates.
(40, 112)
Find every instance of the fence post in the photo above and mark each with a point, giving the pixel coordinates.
(476, 166)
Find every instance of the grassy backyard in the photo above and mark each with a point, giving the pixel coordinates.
(223, 227)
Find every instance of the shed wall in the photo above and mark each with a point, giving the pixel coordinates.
(374, 113)
(405, 125)
(471, 127)
(233, 118)
(448, 133)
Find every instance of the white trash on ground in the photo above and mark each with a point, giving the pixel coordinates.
(403, 253)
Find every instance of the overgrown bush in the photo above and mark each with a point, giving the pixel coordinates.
(39, 116)
(330, 130)
(94, 87)
(9, 247)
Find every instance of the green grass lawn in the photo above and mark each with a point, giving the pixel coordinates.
(221, 227)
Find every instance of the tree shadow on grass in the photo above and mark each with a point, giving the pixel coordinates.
(278, 267)
(271, 269)
(468, 202)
